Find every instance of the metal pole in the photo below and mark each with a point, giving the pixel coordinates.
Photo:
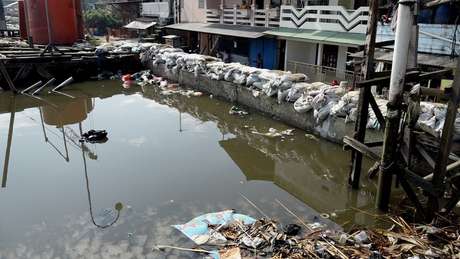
(413, 44)
(50, 38)
(26, 14)
(398, 71)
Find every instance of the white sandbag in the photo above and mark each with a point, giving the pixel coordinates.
(303, 104)
(296, 91)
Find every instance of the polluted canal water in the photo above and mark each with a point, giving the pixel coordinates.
(167, 159)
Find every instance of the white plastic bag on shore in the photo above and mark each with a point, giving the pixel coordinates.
(303, 104)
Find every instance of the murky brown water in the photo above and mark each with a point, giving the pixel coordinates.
(168, 159)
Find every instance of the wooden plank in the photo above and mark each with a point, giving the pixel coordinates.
(419, 181)
(425, 155)
(385, 81)
(377, 111)
(412, 196)
(384, 43)
(361, 148)
(425, 91)
(439, 74)
(374, 144)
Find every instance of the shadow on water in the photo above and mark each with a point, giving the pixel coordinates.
(155, 141)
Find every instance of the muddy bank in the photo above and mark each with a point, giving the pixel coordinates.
(332, 129)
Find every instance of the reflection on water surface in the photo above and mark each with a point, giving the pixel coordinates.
(168, 159)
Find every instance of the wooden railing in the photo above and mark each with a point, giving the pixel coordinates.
(268, 17)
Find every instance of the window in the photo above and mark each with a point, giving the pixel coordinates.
(201, 4)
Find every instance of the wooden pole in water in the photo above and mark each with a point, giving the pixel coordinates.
(448, 130)
(8, 145)
(364, 94)
(398, 72)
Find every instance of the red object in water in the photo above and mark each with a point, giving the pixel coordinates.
(54, 21)
(126, 78)
(22, 20)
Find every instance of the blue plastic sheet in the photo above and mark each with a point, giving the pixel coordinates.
(198, 229)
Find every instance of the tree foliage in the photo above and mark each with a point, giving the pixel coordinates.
(101, 19)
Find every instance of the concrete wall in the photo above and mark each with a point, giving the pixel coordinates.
(191, 13)
(300, 51)
(341, 60)
(332, 129)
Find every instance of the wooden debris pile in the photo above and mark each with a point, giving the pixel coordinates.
(265, 238)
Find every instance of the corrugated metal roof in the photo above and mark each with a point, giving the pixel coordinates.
(250, 32)
(316, 36)
(139, 25)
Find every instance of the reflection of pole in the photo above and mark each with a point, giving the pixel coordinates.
(43, 124)
(89, 194)
(65, 145)
(8, 145)
(180, 121)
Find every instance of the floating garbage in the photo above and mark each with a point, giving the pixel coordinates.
(274, 133)
(94, 136)
(200, 229)
(237, 111)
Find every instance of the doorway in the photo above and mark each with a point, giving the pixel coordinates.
(259, 4)
(330, 53)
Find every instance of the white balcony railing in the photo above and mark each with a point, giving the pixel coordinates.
(268, 17)
(326, 18)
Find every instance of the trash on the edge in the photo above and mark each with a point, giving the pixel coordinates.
(237, 111)
(312, 137)
(233, 253)
(199, 231)
(274, 133)
(94, 136)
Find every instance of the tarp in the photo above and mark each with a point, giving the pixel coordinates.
(139, 25)
(318, 36)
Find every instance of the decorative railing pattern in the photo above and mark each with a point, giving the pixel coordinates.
(327, 18)
(250, 17)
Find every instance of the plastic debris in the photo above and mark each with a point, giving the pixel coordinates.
(94, 136)
(237, 111)
(199, 231)
(274, 133)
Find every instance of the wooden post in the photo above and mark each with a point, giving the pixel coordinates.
(8, 145)
(397, 81)
(364, 94)
(446, 142)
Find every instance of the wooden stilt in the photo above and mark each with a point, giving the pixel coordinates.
(364, 94)
(445, 146)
